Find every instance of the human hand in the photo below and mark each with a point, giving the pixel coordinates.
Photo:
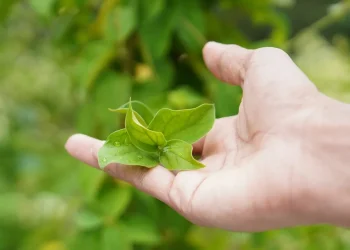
(271, 166)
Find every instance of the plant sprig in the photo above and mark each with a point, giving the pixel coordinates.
(164, 138)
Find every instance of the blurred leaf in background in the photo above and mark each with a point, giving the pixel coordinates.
(64, 63)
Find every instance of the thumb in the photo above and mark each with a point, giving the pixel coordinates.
(227, 62)
(230, 64)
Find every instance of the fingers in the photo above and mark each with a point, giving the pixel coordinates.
(83, 148)
(156, 181)
(227, 62)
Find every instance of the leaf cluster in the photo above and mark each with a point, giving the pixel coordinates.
(164, 138)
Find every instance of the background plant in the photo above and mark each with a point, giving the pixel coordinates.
(64, 61)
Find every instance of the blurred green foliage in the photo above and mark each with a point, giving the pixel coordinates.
(63, 63)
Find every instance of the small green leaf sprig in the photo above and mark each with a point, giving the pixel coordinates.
(164, 138)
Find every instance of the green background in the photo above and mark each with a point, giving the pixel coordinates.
(64, 62)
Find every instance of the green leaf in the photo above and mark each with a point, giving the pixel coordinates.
(140, 108)
(151, 93)
(165, 73)
(90, 182)
(143, 138)
(94, 58)
(156, 34)
(190, 27)
(107, 87)
(177, 155)
(151, 10)
(86, 220)
(185, 97)
(121, 22)
(114, 238)
(188, 125)
(119, 149)
(115, 202)
(125, 111)
(87, 240)
(147, 204)
(142, 230)
(43, 8)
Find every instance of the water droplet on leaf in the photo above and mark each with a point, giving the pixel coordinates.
(127, 141)
(104, 159)
(139, 156)
(117, 144)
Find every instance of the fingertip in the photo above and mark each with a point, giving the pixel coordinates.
(73, 140)
(227, 62)
(84, 148)
(212, 45)
(70, 141)
(210, 51)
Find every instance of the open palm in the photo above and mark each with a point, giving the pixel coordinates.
(256, 173)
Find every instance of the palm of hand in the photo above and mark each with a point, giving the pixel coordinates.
(249, 180)
(257, 139)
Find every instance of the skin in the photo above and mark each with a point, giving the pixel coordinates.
(283, 161)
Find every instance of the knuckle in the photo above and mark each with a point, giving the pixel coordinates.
(277, 51)
(231, 66)
(270, 54)
(135, 176)
(111, 170)
(177, 196)
(226, 56)
(223, 61)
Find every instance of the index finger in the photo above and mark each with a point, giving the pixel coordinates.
(156, 181)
